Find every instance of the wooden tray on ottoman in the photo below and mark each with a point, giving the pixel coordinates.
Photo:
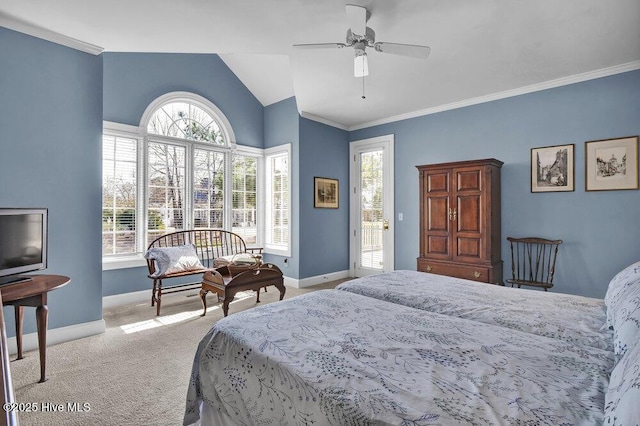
(226, 284)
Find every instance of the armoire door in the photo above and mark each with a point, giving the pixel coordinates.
(468, 215)
(437, 210)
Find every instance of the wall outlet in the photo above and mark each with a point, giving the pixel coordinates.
(400, 217)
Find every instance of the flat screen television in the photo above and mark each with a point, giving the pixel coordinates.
(23, 242)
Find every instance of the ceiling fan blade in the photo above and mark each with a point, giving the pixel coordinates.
(319, 45)
(413, 50)
(358, 17)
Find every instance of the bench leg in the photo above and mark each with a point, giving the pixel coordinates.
(203, 298)
(153, 293)
(225, 305)
(258, 295)
(280, 286)
(159, 299)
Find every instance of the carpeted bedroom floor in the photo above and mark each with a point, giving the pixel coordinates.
(136, 373)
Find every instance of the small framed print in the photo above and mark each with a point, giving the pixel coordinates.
(326, 193)
(552, 168)
(611, 164)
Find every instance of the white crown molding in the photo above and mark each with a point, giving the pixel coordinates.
(323, 120)
(577, 78)
(21, 26)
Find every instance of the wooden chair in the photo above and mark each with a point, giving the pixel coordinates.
(533, 261)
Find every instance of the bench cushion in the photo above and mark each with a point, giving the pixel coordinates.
(172, 260)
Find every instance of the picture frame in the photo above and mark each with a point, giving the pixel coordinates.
(611, 164)
(326, 193)
(553, 168)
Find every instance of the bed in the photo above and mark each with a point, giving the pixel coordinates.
(333, 357)
(572, 318)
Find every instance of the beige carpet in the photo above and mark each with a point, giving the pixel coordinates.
(136, 373)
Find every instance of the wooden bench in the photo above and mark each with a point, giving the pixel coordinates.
(210, 244)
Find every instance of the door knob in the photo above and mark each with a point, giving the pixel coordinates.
(385, 224)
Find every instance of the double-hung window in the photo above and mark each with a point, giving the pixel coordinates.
(182, 170)
(278, 200)
(119, 194)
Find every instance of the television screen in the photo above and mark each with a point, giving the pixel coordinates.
(23, 241)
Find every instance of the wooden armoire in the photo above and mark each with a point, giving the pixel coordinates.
(460, 220)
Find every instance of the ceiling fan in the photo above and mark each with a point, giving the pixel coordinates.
(359, 36)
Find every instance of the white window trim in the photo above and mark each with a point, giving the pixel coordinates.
(269, 152)
(137, 259)
(199, 101)
(259, 155)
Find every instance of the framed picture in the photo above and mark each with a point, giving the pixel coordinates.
(611, 164)
(326, 192)
(552, 168)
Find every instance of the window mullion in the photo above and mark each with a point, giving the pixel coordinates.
(189, 187)
(228, 191)
(141, 211)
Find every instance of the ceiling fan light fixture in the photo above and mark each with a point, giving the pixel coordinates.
(360, 65)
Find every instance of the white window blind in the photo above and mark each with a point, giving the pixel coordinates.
(278, 224)
(245, 195)
(119, 193)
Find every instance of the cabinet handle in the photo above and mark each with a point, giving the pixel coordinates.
(428, 268)
(452, 214)
(455, 213)
(476, 274)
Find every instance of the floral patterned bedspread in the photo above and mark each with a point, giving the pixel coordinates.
(337, 358)
(575, 319)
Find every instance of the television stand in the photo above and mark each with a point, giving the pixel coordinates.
(14, 279)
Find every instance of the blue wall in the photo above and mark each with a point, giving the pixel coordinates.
(50, 156)
(53, 100)
(320, 237)
(133, 80)
(282, 126)
(600, 229)
(324, 233)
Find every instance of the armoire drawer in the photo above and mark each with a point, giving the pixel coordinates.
(469, 272)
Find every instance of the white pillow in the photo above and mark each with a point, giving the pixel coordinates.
(170, 260)
(621, 400)
(617, 289)
(626, 319)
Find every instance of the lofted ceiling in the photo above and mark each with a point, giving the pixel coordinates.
(479, 49)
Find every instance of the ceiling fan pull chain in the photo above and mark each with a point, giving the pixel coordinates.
(363, 97)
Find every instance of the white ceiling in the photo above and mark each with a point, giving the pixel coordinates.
(479, 49)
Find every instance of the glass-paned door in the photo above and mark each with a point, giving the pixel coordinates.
(372, 206)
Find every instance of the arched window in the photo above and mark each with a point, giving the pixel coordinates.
(181, 169)
(185, 120)
(188, 116)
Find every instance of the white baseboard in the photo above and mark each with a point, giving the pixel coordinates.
(135, 297)
(58, 335)
(318, 279)
(78, 331)
(125, 298)
(145, 295)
